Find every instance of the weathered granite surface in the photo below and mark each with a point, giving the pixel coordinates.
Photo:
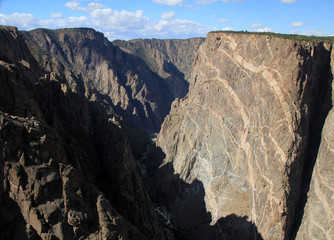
(244, 129)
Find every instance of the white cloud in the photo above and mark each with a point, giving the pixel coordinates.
(212, 1)
(22, 20)
(313, 33)
(228, 29)
(264, 29)
(288, 1)
(169, 2)
(76, 6)
(94, 5)
(173, 28)
(298, 24)
(225, 21)
(115, 24)
(56, 15)
(168, 15)
(257, 27)
(123, 20)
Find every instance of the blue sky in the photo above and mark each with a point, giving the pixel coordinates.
(128, 19)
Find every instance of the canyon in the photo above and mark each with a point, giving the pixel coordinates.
(243, 150)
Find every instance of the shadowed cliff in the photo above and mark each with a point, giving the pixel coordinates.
(66, 167)
(94, 67)
(171, 59)
(185, 206)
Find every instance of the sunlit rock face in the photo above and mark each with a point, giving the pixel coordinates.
(244, 129)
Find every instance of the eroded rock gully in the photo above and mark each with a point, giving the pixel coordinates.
(246, 154)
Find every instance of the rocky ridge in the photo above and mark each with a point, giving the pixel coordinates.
(246, 136)
(66, 167)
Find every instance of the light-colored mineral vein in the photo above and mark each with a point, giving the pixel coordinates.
(243, 138)
(279, 150)
(269, 48)
(242, 63)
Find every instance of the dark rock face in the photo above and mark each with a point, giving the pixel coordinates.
(66, 167)
(94, 67)
(171, 59)
(318, 217)
(247, 133)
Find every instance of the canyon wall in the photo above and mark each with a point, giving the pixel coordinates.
(66, 167)
(172, 59)
(318, 219)
(94, 67)
(248, 132)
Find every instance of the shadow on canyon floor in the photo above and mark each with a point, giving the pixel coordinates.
(186, 206)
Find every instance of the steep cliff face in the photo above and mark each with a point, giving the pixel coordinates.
(246, 130)
(66, 168)
(171, 59)
(104, 73)
(318, 218)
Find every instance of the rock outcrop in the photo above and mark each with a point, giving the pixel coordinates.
(66, 167)
(318, 218)
(248, 132)
(171, 59)
(93, 66)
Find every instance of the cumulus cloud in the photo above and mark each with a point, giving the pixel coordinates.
(225, 21)
(257, 27)
(228, 29)
(22, 20)
(212, 1)
(298, 24)
(76, 6)
(168, 15)
(177, 27)
(313, 32)
(169, 2)
(56, 15)
(114, 24)
(288, 1)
